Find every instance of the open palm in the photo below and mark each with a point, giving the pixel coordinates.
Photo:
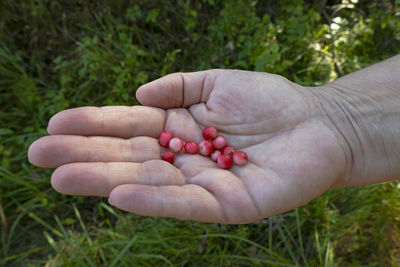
(113, 151)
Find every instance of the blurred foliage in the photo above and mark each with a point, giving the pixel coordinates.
(61, 54)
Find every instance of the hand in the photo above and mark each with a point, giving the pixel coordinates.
(113, 151)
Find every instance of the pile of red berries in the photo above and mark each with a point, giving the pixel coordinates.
(215, 146)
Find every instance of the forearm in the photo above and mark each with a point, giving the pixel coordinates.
(363, 109)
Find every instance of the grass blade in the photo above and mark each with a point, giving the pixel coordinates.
(123, 251)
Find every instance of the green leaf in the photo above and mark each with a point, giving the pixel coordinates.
(5, 131)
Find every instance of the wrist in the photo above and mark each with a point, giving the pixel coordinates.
(366, 123)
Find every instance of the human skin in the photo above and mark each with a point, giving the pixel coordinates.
(300, 142)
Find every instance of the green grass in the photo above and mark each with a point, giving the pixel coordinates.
(61, 54)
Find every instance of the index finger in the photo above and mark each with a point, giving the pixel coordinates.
(117, 121)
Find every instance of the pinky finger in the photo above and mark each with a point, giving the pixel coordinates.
(186, 202)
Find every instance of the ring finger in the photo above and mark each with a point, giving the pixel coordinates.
(99, 178)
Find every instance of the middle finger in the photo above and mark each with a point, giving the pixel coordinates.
(56, 150)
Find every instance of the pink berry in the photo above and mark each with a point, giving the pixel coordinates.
(224, 161)
(205, 148)
(164, 138)
(191, 147)
(214, 156)
(168, 156)
(228, 150)
(240, 158)
(219, 142)
(209, 133)
(176, 144)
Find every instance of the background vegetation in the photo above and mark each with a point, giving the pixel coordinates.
(62, 54)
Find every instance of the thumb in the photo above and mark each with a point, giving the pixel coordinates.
(178, 89)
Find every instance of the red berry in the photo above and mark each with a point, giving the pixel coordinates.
(219, 142)
(191, 147)
(205, 148)
(210, 133)
(224, 161)
(164, 138)
(240, 158)
(168, 156)
(176, 144)
(229, 150)
(214, 156)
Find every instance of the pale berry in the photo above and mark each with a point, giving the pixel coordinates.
(168, 156)
(219, 142)
(164, 138)
(205, 148)
(214, 156)
(240, 158)
(176, 144)
(210, 133)
(224, 161)
(191, 147)
(228, 150)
